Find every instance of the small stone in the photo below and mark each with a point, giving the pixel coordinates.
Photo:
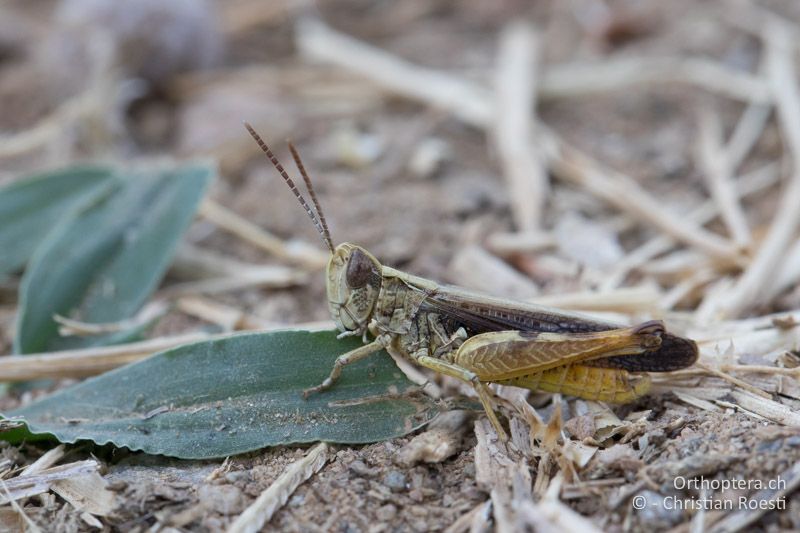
(386, 513)
(469, 470)
(395, 480)
(771, 446)
(359, 468)
(416, 495)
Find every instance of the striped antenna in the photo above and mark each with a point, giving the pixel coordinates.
(310, 189)
(323, 230)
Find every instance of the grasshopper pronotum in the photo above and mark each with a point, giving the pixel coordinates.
(480, 339)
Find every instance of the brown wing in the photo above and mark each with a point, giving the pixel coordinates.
(481, 314)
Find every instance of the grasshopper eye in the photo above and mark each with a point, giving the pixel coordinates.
(359, 270)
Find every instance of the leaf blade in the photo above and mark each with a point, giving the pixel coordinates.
(234, 395)
(103, 263)
(31, 207)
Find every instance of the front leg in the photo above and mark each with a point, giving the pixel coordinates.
(350, 357)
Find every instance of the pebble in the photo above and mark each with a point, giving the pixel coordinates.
(386, 513)
(358, 467)
(770, 446)
(416, 495)
(395, 480)
(469, 470)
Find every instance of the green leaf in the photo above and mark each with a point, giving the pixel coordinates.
(224, 397)
(31, 207)
(104, 261)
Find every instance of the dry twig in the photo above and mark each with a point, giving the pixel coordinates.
(515, 90)
(473, 105)
(749, 290)
(718, 171)
(578, 79)
(272, 499)
(294, 252)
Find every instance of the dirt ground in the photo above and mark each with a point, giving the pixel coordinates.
(427, 186)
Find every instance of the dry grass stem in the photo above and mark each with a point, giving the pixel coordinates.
(265, 277)
(473, 105)
(736, 381)
(515, 98)
(718, 171)
(505, 244)
(234, 319)
(24, 487)
(577, 79)
(92, 361)
(747, 133)
(470, 103)
(272, 499)
(624, 193)
(47, 132)
(217, 273)
(766, 408)
(687, 287)
(749, 291)
(193, 262)
(788, 273)
(47, 460)
(227, 317)
(475, 268)
(151, 312)
(301, 254)
(750, 183)
(87, 361)
(628, 300)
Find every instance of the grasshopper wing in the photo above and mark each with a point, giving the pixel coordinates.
(478, 313)
(502, 355)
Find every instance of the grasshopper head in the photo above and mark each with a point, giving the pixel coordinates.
(353, 274)
(354, 281)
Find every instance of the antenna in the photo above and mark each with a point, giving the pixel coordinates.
(310, 188)
(323, 230)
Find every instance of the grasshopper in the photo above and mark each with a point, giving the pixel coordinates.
(479, 339)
